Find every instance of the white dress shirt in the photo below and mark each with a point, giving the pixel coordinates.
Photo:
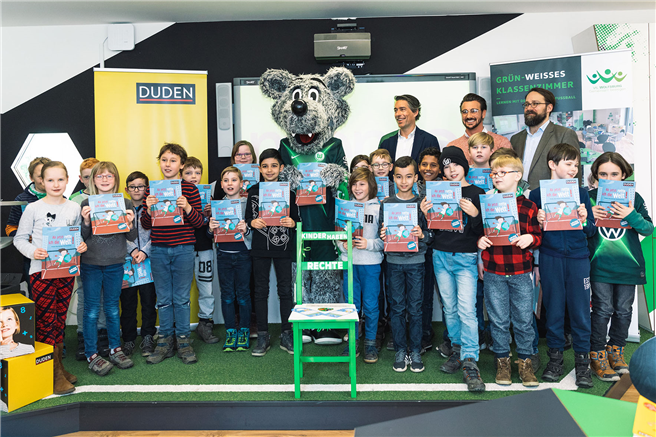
(531, 146)
(404, 145)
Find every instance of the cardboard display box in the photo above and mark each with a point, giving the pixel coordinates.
(17, 329)
(27, 378)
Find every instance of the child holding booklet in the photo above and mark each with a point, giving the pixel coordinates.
(51, 296)
(616, 267)
(102, 270)
(235, 272)
(455, 256)
(172, 260)
(367, 256)
(565, 273)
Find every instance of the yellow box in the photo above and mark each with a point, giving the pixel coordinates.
(645, 418)
(17, 321)
(27, 378)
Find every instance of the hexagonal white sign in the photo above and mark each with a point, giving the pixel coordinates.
(58, 147)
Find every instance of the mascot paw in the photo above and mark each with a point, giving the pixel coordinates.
(333, 175)
(292, 175)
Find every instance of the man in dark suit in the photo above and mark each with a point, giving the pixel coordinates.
(540, 135)
(409, 140)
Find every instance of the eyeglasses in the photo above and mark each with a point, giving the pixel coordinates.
(383, 165)
(100, 177)
(471, 111)
(532, 104)
(243, 155)
(501, 174)
(138, 188)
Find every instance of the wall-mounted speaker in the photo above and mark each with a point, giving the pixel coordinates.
(224, 119)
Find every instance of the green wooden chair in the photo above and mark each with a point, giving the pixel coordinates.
(322, 316)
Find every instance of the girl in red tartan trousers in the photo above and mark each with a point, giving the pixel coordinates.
(51, 296)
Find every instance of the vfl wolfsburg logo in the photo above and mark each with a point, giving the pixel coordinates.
(612, 234)
(319, 156)
(606, 77)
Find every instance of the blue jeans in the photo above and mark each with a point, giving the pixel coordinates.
(406, 294)
(234, 278)
(510, 299)
(105, 281)
(611, 302)
(480, 296)
(173, 271)
(456, 275)
(429, 291)
(366, 288)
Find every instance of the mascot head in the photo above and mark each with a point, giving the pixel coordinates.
(308, 107)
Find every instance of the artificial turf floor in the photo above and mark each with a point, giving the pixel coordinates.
(240, 368)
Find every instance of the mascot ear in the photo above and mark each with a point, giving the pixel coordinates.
(274, 83)
(340, 81)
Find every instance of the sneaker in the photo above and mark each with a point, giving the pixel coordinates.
(503, 371)
(185, 351)
(287, 342)
(445, 349)
(453, 364)
(307, 336)
(230, 341)
(616, 359)
(243, 339)
(147, 346)
(103, 342)
(163, 350)
(401, 360)
(599, 365)
(128, 348)
(416, 365)
(536, 362)
(345, 338)
(263, 344)
(484, 340)
(390, 345)
(554, 369)
(426, 345)
(526, 373)
(118, 358)
(471, 376)
(345, 352)
(582, 369)
(79, 354)
(370, 351)
(99, 365)
(204, 331)
(326, 336)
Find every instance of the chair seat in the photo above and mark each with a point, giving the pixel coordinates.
(318, 312)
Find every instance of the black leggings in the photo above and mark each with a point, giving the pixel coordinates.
(261, 268)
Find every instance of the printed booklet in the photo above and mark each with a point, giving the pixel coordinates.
(560, 200)
(446, 212)
(61, 243)
(136, 274)
(608, 192)
(480, 177)
(399, 219)
(228, 214)
(205, 192)
(311, 191)
(108, 214)
(382, 184)
(348, 210)
(500, 218)
(274, 202)
(250, 174)
(165, 212)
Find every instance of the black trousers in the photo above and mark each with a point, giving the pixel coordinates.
(283, 268)
(129, 299)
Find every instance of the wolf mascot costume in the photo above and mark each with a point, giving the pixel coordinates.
(309, 108)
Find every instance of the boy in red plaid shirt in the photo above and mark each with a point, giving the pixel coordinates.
(507, 278)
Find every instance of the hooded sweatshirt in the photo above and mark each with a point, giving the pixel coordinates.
(373, 254)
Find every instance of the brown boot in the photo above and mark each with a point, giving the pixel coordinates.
(61, 386)
(600, 367)
(526, 373)
(503, 371)
(616, 359)
(69, 376)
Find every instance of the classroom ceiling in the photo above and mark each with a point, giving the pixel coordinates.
(80, 12)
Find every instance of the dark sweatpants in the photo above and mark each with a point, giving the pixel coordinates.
(283, 268)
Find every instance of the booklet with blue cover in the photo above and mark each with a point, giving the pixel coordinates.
(63, 260)
(348, 210)
(228, 214)
(108, 214)
(382, 190)
(480, 177)
(312, 190)
(560, 200)
(205, 192)
(445, 213)
(399, 219)
(500, 218)
(274, 202)
(135, 274)
(166, 212)
(250, 174)
(608, 192)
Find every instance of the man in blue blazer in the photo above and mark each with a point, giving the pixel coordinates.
(409, 140)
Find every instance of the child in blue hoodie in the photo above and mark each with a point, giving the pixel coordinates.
(564, 269)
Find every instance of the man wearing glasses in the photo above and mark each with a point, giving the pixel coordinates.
(540, 135)
(409, 140)
(473, 109)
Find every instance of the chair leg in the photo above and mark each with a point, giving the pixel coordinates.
(297, 361)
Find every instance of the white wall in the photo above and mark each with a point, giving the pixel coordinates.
(37, 58)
